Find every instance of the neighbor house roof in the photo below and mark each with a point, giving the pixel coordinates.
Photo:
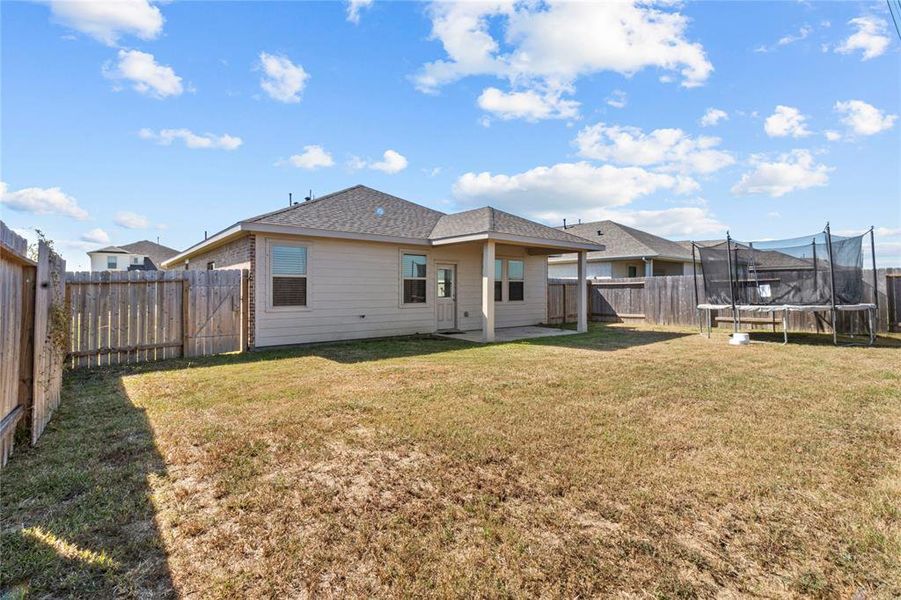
(157, 253)
(623, 242)
(361, 212)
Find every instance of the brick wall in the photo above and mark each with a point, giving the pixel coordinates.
(238, 254)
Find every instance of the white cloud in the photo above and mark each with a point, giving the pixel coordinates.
(863, 118)
(392, 162)
(42, 201)
(282, 79)
(312, 158)
(548, 46)
(668, 149)
(145, 74)
(785, 40)
(832, 135)
(870, 38)
(786, 121)
(108, 20)
(551, 192)
(679, 222)
(354, 7)
(193, 140)
(95, 236)
(529, 105)
(712, 117)
(796, 170)
(617, 99)
(130, 220)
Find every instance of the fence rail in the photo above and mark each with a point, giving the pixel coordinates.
(671, 301)
(137, 316)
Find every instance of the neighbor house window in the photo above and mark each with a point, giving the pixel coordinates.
(633, 271)
(111, 262)
(211, 266)
(289, 275)
(515, 284)
(134, 260)
(413, 267)
(498, 280)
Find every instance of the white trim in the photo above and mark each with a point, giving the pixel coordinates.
(268, 271)
(429, 270)
(455, 290)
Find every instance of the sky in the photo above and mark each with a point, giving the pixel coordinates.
(128, 120)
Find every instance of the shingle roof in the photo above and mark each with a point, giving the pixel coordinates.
(358, 210)
(492, 220)
(111, 250)
(621, 241)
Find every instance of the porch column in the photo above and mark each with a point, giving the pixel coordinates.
(488, 291)
(649, 267)
(582, 294)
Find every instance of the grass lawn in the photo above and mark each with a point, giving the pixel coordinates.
(622, 462)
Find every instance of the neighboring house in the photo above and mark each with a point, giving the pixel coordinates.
(139, 256)
(627, 252)
(361, 263)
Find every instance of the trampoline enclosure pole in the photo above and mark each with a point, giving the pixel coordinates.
(731, 283)
(831, 280)
(694, 266)
(875, 276)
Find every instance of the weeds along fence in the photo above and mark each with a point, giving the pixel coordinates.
(671, 301)
(32, 338)
(137, 316)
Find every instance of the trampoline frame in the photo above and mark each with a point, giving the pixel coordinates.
(833, 308)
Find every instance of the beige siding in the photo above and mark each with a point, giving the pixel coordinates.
(354, 291)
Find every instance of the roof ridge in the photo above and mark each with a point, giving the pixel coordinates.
(304, 203)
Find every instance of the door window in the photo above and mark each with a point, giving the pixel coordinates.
(445, 283)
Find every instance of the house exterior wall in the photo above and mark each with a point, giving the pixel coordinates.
(233, 255)
(618, 269)
(123, 261)
(354, 291)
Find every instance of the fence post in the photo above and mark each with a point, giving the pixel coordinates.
(185, 320)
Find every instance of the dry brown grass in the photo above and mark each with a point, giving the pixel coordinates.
(623, 462)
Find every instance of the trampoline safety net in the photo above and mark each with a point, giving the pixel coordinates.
(793, 272)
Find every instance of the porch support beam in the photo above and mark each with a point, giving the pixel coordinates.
(488, 291)
(649, 267)
(582, 294)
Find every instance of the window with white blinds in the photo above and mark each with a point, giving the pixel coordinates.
(288, 271)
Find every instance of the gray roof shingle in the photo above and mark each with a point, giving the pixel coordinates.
(621, 241)
(492, 220)
(358, 210)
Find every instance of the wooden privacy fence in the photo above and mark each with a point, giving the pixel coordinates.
(32, 337)
(671, 301)
(136, 316)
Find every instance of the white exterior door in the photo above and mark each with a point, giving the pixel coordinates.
(446, 296)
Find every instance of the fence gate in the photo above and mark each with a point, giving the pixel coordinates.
(212, 312)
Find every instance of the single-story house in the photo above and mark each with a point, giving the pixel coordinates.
(361, 263)
(139, 256)
(627, 252)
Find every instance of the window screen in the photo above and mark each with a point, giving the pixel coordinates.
(515, 284)
(413, 267)
(498, 280)
(289, 275)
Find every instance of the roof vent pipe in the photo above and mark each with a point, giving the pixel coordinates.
(204, 234)
(564, 223)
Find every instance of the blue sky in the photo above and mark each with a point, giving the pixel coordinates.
(133, 120)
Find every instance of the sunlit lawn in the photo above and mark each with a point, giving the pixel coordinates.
(621, 462)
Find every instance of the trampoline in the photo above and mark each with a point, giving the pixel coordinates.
(816, 273)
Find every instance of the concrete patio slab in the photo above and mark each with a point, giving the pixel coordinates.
(509, 334)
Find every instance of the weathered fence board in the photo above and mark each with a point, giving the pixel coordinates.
(49, 337)
(137, 316)
(671, 301)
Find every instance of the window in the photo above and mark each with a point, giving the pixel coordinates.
(445, 283)
(288, 267)
(515, 284)
(211, 266)
(633, 271)
(413, 272)
(498, 280)
(111, 262)
(135, 260)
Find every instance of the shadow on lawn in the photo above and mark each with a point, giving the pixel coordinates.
(824, 339)
(604, 338)
(77, 518)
